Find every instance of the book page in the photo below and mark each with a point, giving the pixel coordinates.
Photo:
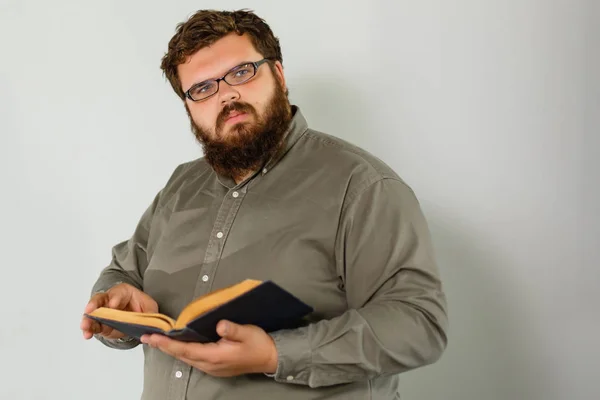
(212, 300)
(155, 320)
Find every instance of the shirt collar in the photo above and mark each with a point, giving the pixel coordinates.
(297, 128)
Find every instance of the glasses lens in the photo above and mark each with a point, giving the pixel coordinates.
(202, 91)
(240, 74)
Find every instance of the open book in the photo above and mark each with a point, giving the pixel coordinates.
(254, 302)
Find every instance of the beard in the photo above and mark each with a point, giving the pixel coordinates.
(248, 144)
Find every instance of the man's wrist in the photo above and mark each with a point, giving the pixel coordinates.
(293, 355)
(271, 366)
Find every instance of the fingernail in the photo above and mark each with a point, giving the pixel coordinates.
(224, 328)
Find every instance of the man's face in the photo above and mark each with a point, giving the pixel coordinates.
(239, 125)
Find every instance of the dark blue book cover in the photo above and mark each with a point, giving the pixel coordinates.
(267, 306)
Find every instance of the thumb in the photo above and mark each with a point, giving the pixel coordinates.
(232, 331)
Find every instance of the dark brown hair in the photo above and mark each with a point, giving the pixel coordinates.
(206, 27)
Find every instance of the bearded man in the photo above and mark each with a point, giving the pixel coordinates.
(272, 199)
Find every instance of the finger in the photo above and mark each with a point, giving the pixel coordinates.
(209, 368)
(111, 333)
(215, 369)
(135, 304)
(104, 330)
(85, 324)
(86, 329)
(191, 351)
(169, 346)
(143, 303)
(119, 298)
(88, 325)
(90, 328)
(97, 301)
(148, 304)
(234, 332)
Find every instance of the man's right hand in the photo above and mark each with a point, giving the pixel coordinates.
(122, 297)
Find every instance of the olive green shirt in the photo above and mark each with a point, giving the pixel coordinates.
(323, 218)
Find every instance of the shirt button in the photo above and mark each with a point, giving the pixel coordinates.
(290, 378)
(178, 374)
(264, 171)
(235, 194)
(220, 235)
(205, 278)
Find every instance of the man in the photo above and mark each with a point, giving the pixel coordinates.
(274, 200)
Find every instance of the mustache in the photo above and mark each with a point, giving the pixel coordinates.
(237, 106)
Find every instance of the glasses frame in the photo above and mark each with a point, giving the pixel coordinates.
(217, 81)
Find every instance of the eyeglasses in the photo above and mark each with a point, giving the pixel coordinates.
(236, 76)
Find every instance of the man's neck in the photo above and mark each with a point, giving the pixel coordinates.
(242, 177)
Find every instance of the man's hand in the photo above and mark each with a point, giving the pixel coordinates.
(122, 297)
(243, 349)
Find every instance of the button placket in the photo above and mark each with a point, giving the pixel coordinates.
(237, 195)
(224, 220)
(180, 377)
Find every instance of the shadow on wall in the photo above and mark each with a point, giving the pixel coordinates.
(487, 355)
(332, 106)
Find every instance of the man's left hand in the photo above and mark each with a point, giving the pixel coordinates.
(242, 349)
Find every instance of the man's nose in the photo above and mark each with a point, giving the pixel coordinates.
(228, 93)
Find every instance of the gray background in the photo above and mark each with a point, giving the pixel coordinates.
(488, 109)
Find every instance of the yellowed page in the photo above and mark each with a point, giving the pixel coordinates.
(213, 300)
(155, 320)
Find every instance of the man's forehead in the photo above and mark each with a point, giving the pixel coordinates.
(215, 60)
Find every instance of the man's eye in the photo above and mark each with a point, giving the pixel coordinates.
(204, 88)
(240, 73)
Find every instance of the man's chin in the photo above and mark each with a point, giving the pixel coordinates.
(237, 129)
(236, 123)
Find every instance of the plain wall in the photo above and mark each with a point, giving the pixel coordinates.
(488, 109)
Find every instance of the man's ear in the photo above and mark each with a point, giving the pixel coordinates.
(279, 75)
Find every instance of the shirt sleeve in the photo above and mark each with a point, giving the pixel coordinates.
(128, 263)
(396, 319)
(126, 344)
(129, 258)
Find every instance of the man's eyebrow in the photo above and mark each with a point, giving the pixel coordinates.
(202, 82)
(228, 71)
